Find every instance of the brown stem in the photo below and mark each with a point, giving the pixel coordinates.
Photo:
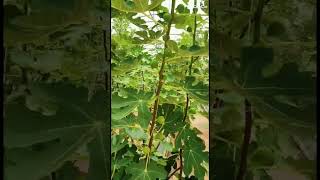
(107, 53)
(301, 147)
(257, 21)
(53, 176)
(107, 59)
(195, 23)
(246, 141)
(248, 111)
(245, 29)
(190, 70)
(5, 57)
(174, 172)
(181, 164)
(186, 108)
(192, 59)
(161, 79)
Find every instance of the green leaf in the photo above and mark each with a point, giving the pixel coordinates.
(189, 136)
(194, 156)
(172, 45)
(173, 116)
(307, 167)
(99, 149)
(143, 34)
(122, 107)
(136, 6)
(263, 175)
(180, 8)
(119, 163)
(222, 164)
(44, 21)
(75, 124)
(287, 145)
(68, 171)
(161, 120)
(267, 137)
(277, 29)
(262, 157)
(32, 164)
(199, 91)
(118, 143)
(152, 172)
(45, 61)
(144, 115)
(230, 97)
(40, 102)
(136, 133)
(120, 113)
(185, 52)
(263, 92)
(231, 120)
(165, 146)
(194, 51)
(225, 45)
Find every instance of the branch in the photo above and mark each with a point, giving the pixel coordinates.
(186, 108)
(174, 172)
(107, 59)
(5, 57)
(161, 79)
(181, 164)
(301, 147)
(169, 60)
(246, 141)
(53, 176)
(248, 112)
(245, 29)
(107, 53)
(192, 59)
(151, 18)
(257, 22)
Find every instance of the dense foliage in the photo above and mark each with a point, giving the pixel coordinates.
(57, 84)
(159, 83)
(262, 96)
(56, 99)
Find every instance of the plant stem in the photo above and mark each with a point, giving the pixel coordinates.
(161, 77)
(246, 27)
(190, 71)
(107, 59)
(186, 108)
(301, 147)
(53, 176)
(174, 172)
(257, 21)
(195, 23)
(114, 170)
(246, 141)
(151, 18)
(192, 59)
(5, 57)
(147, 160)
(224, 140)
(107, 75)
(181, 164)
(180, 57)
(248, 111)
